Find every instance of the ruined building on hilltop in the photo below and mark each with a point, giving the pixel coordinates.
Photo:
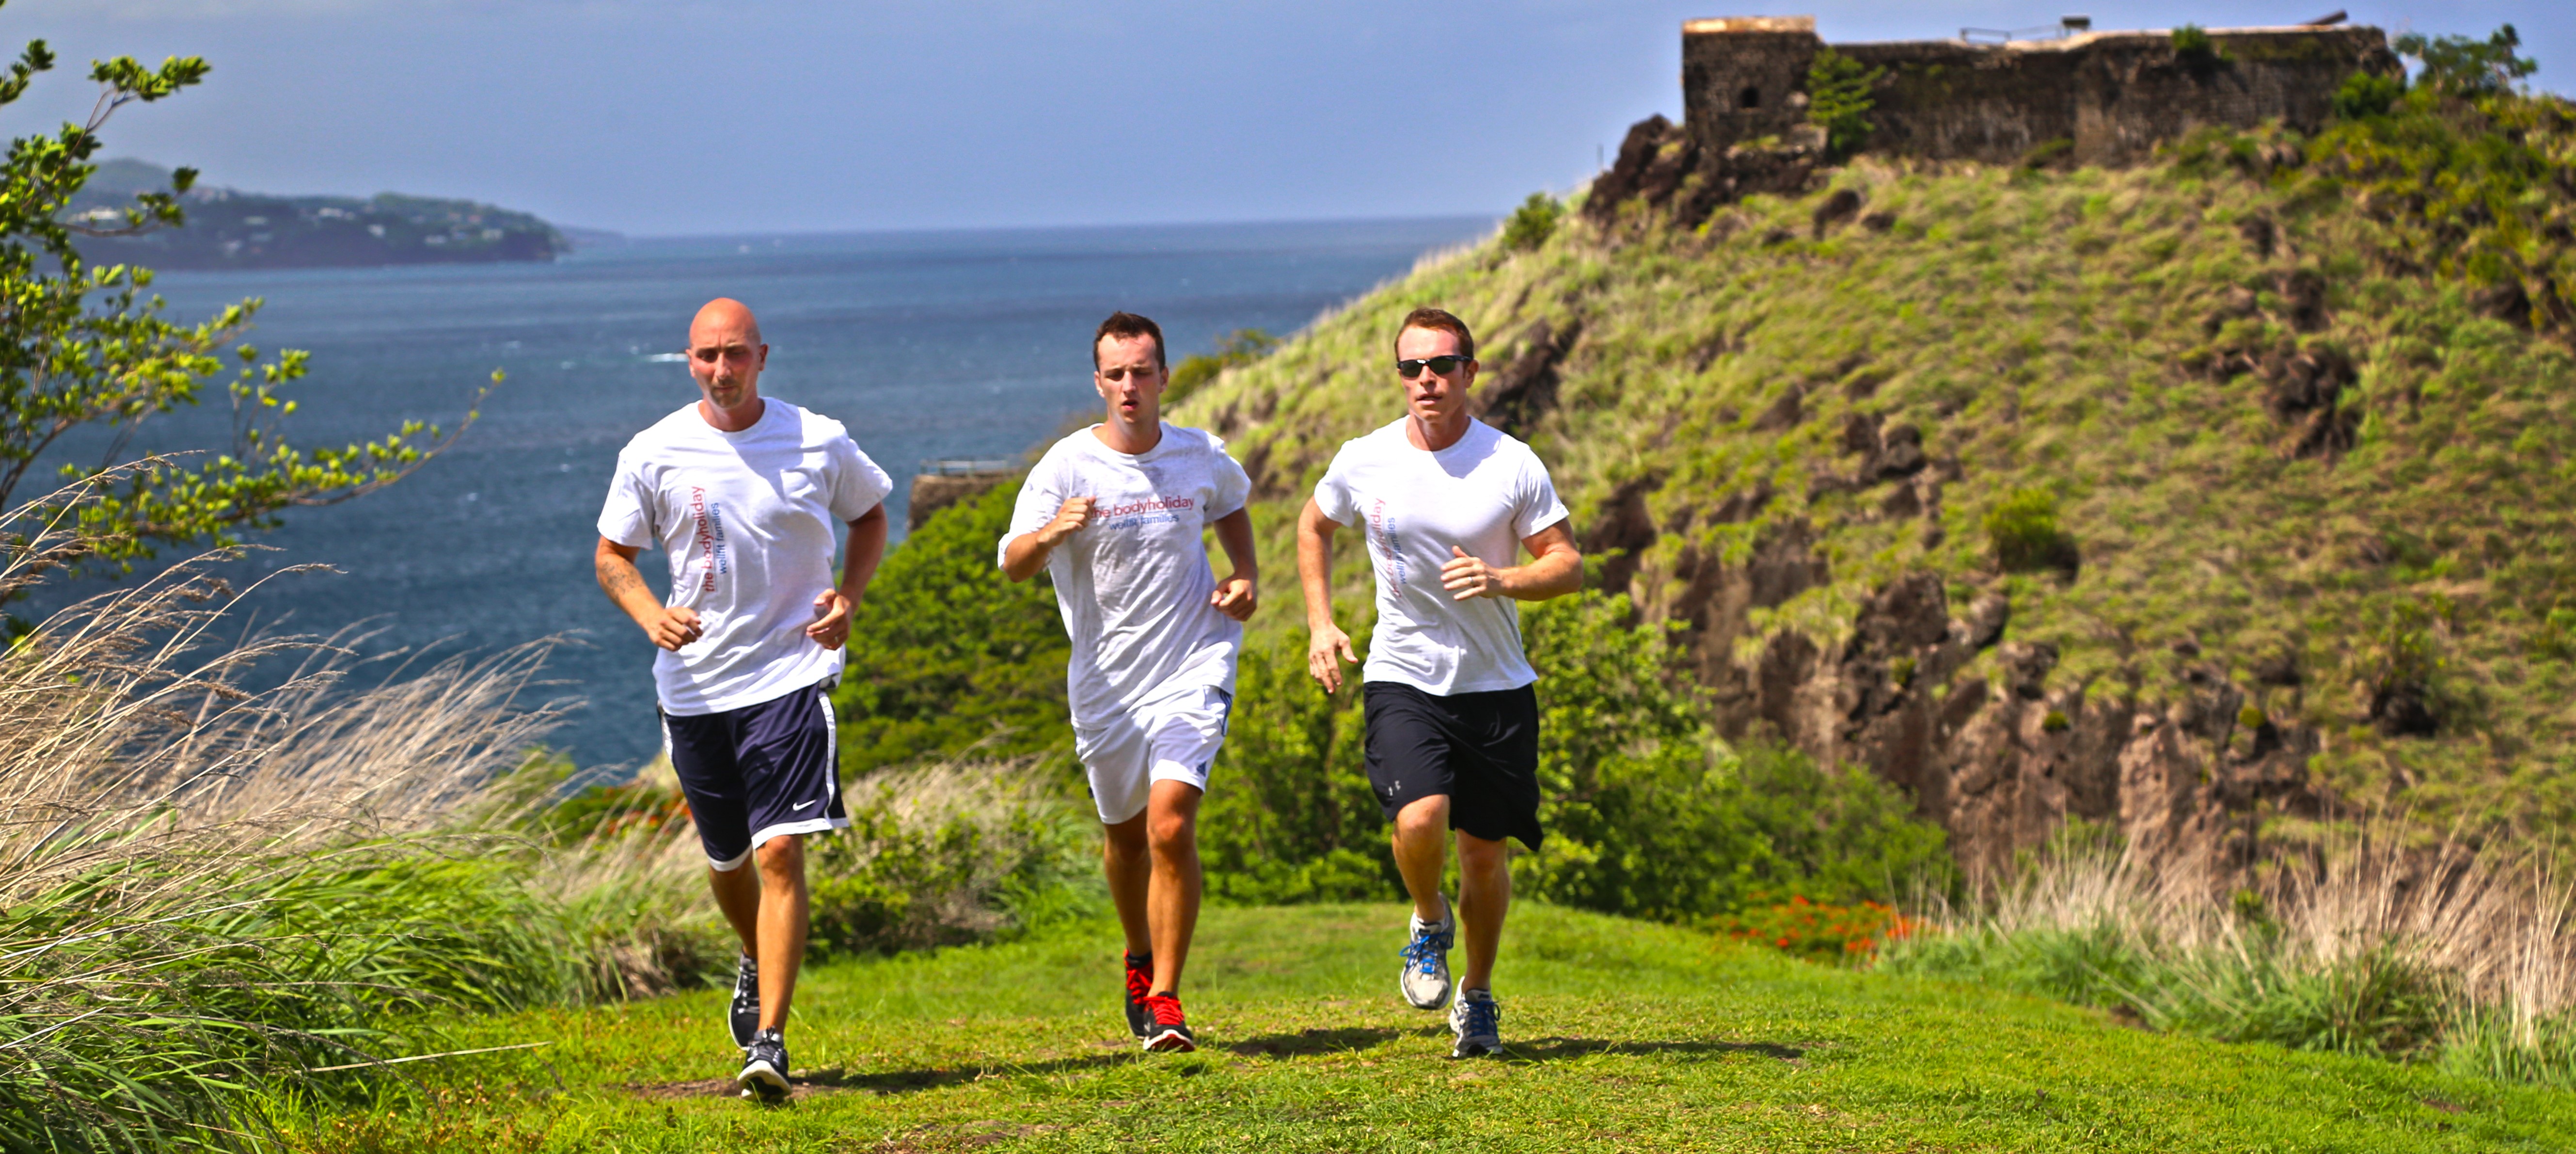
(2064, 95)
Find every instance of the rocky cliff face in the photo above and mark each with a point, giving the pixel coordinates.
(2000, 763)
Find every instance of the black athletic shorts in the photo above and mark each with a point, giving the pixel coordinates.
(758, 772)
(1481, 749)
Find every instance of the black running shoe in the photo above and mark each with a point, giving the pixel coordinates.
(745, 1014)
(764, 1067)
(1140, 982)
(1166, 1032)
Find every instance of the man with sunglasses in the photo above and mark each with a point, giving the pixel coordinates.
(742, 492)
(1445, 503)
(1115, 514)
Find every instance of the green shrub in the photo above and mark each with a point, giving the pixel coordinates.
(1240, 347)
(947, 655)
(2459, 66)
(2192, 45)
(947, 855)
(2402, 669)
(1532, 223)
(1289, 815)
(1839, 100)
(1644, 814)
(2022, 532)
(2367, 94)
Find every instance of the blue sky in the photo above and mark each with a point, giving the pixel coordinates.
(679, 117)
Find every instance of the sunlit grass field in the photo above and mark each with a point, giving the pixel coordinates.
(1623, 1036)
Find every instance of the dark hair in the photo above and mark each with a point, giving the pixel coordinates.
(1128, 326)
(1441, 320)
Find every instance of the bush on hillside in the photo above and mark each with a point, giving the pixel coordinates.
(2365, 94)
(948, 854)
(2460, 66)
(2023, 534)
(1240, 347)
(947, 655)
(1532, 223)
(1644, 814)
(1839, 100)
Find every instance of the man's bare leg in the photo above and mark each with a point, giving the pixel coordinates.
(1129, 866)
(1172, 817)
(737, 893)
(782, 924)
(1484, 896)
(1421, 845)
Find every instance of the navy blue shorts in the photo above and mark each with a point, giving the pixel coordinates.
(758, 772)
(1479, 749)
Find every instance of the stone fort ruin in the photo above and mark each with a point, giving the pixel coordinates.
(2064, 95)
(2111, 95)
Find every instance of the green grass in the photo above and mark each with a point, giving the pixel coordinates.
(1625, 1036)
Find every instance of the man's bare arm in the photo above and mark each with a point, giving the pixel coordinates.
(1555, 569)
(1326, 644)
(1239, 593)
(668, 626)
(866, 551)
(832, 607)
(1027, 553)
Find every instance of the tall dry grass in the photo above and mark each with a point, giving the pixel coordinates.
(2373, 942)
(203, 883)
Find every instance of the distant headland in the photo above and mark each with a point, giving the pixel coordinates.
(229, 228)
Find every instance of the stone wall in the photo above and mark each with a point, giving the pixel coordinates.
(2111, 96)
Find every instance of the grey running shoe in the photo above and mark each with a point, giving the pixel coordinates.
(1425, 978)
(1477, 1019)
(744, 1016)
(764, 1067)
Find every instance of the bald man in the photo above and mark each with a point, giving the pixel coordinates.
(741, 492)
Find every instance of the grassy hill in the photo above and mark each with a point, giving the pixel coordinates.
(2267, 447)
(1625, 1036)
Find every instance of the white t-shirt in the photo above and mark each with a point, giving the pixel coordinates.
(1486, 494)
(1134, 581)
(746, 519)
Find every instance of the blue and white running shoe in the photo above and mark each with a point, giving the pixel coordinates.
(1477, 1019)
(1425, 979)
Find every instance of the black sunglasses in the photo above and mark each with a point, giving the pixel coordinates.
(1440, 365)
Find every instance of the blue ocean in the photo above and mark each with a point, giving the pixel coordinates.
(928, 346)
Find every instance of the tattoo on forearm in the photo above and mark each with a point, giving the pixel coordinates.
(619, 576)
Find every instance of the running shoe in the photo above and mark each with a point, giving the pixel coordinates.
(1477, 1019)
(1164, 1031)
(744, 1017)
(764, 1067)
(1425, 977)
(1140, 982)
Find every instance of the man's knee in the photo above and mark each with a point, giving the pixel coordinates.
(1476, 853)
(1424, 817)
(1173, 833)
(781, 859)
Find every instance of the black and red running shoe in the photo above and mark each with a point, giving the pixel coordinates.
(1140, 982)
(1165, 1032)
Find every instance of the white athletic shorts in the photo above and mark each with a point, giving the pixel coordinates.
(1173, 739)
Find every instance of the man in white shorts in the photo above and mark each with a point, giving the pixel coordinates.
(1445, 501)
(1115, 515)
(742, 493)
